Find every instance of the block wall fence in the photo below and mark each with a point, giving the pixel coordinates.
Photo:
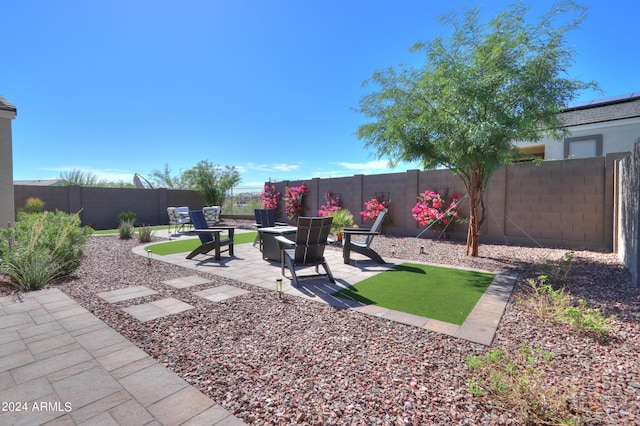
(99, 207)
(564, 203)
(627, 244)
(590, 203)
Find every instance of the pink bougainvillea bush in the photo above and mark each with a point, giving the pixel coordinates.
(333, 203)
(433, 211)
(270, 198)
(294, 201)
(373, 207)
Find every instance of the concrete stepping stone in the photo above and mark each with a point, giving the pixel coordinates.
(127, 293)
(223, 292)
(186, 282)
(157, 309)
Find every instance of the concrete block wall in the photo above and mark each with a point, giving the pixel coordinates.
(99, 207)
(563, 203)
(628, 209)
(559, 202)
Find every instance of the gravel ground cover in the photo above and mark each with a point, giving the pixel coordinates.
(291, 361)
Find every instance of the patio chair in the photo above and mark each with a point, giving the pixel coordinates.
(173, 221)
(211, 214)
(312, 236)
(265, 218)
(182, 218)
(210, 237)
(362, 247)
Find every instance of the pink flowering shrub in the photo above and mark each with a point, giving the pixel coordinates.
(294, 200)
(373, 207)
(270, 198)
(431, 210)
(333, 203)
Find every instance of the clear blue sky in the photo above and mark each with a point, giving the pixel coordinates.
(120, 87)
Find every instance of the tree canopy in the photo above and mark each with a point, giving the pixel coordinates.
(80, 178)
(212, 181)
(164, 179)
(482, 88)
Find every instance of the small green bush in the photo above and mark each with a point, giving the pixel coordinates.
(516, 381)
(128, 217)
(558, 271)
(145, 234)
(557, 306)
(125, 229)
(42, 247)
(33, 205)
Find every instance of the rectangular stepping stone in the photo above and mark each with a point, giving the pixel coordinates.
(217, 294)
(127, 293)
(157, 309)
(186, 282)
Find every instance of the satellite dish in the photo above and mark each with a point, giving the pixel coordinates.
(138, 183)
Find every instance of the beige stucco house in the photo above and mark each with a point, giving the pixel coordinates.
(7, 113)
(596, 128)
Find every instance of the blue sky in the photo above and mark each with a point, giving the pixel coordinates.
(120, 87)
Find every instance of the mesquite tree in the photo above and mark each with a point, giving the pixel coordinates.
(482, 88)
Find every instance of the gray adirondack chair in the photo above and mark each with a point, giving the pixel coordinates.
(362, 247)
(312, 236)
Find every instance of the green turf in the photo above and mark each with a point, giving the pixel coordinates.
(445, 294)
(115, 231)
(187, 245)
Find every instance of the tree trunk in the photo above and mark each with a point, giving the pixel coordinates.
(473, 235)
(476, 216)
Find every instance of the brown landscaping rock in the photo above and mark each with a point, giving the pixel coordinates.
(292, 361)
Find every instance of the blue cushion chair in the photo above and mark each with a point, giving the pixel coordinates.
(210, 238)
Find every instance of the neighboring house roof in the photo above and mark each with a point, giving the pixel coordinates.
(6, 105)
(602, 110)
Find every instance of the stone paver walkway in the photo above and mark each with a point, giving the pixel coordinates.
(223, 292)
(126, 293)
(168, 306)
(60, 365)
(157, 309)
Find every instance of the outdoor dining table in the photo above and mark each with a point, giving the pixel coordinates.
(270, 248)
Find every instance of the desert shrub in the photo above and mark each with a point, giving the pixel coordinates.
(128, 217)
(42, 247)
(557, 305)
(125, 229)
(558, 271)
(33, 205)
(145, 234)
(31, 269)
(517, 381)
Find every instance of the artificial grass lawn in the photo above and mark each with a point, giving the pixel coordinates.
(187, 245)
(445, 294)
(115, 231)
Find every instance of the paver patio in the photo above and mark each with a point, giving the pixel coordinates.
(61, 365)
(248, 266)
